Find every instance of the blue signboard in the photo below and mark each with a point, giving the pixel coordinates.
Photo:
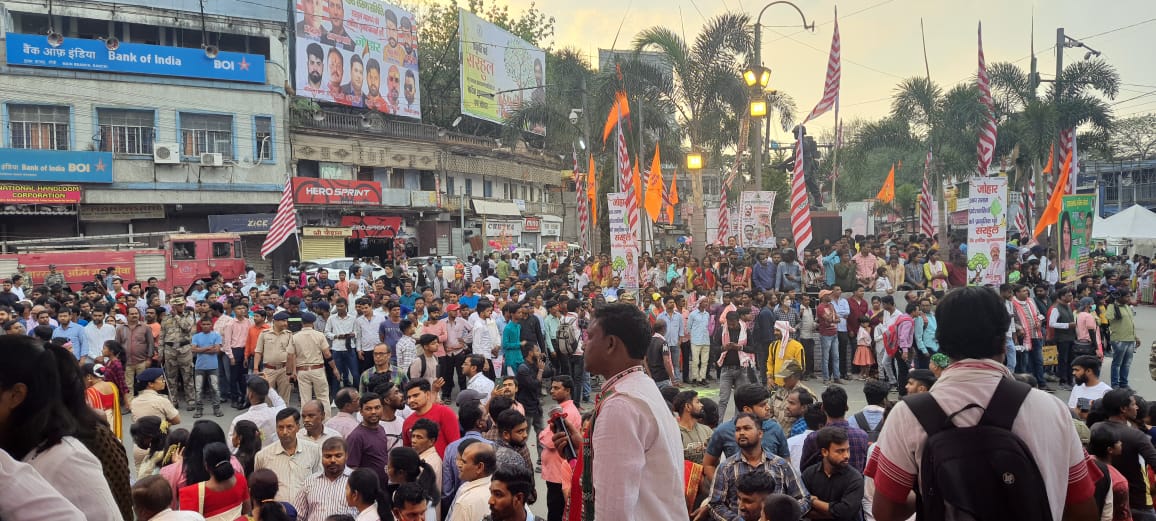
(31, 50)
(240, 223)
(17, 164)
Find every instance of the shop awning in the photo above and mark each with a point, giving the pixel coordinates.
(496, 208)
(550, 218)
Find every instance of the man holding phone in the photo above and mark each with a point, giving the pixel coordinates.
(1089, 388)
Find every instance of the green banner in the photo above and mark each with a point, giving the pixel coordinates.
(1074, 235)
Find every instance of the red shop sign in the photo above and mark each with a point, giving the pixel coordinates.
(532, 225)
(31, 193)
(310, 190)
(372, 226)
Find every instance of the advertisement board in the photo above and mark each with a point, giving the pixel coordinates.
(507, 229)
(531, 225)
(120, 212)
(1075, 236)
(311, 190)
(22, 164)
(623, 244)
(987, 231)
(364, 226)
(359, 53)
(15, 193)
(754, 222)
(500, 71)
(241, 222)
(33, 50)
(551, 229)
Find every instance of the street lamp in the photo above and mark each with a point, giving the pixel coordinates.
(758, 108)
(694, 161)
(763, 75)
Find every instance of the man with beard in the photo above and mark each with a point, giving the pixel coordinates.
(511, 491)
(336, 64)
(313, 423)
(393, 52)
(1089, 388)
(513, 431)
(408, 36)
(369, 443)
(476, 465)
(315, 63)
(410, 92)
(724, 502)
(310, 26)
(323, 494)
(393, 83)
(353, 90)
(836, 489)
(336, 35)
(753, 490)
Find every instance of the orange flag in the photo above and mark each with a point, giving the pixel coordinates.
(654, 189)
(1051, 214)
(592, 189)
(1048, 167)
(887, 193)
(672, 199)
(620, 109)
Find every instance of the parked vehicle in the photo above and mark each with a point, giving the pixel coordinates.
(336, 264)
(449, 265)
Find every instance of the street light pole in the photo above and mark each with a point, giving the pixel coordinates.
(757, 138)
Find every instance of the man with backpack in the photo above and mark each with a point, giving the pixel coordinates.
(870, 419)
(953, 466)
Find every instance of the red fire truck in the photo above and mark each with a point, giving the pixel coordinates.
(181, 259)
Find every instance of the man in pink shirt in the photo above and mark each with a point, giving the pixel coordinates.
(456, 345)
(235, 336)
(865, 265)
(556, 470)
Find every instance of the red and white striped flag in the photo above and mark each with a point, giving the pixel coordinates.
(626, 180)
(926, 226)
(582, 202)
(1022, 216)
(1068, 145)
(284, 223)
(834, 74)
(986, 146)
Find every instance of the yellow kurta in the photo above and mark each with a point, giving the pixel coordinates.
(776, 359)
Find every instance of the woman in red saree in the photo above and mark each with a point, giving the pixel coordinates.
(225, 496)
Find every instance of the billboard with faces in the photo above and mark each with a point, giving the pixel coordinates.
(358, 53)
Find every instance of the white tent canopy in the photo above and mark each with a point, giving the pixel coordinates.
(1136, 222)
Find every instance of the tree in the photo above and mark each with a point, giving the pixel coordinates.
(1134, 137)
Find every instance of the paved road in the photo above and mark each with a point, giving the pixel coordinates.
(1141, 381)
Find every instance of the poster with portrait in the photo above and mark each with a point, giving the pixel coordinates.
(359, 53)
(754, 224)
(1074, 236)
(500, 72)
(987, 231)
(623, 243)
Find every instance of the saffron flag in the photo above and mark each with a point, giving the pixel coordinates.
(618, 110)
(672, 199)
(654, 189)
(592, 190)
(284, 223)
(1051, 213)
(887, 193)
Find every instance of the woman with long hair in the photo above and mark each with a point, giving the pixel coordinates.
(114, 359)
(225, 496)
(363, 492)
(150, 436)
(102, 395)
(38, 427)
(188, 468)
(262, 489)
(247, 439)
(406, 466)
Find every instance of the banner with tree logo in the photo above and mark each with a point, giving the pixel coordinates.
(623, 243)
(987, 231)
(1074, 236)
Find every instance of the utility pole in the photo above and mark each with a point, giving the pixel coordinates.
(757, 138)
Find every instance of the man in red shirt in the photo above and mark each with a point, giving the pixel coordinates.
(419, 395)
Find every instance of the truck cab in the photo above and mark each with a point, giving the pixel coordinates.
(193, 256)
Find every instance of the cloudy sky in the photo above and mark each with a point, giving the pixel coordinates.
(881, 40)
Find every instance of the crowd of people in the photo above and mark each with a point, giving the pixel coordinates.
(415, 397)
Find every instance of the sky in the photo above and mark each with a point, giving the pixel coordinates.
(881, 40)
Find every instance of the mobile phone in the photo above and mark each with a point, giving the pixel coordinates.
(1084, 404)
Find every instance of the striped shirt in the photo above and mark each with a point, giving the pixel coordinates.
(321, 497)
(292, 470)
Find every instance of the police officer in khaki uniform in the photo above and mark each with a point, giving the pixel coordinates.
(273, 350)
(176, 352)
(308, 356)
(792, 374)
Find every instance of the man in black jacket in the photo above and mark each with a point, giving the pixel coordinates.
(530, 375)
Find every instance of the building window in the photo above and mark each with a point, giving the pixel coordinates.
(469, 187)
(487, 188)
(450, 185)
(206, 133)
(125, 131)
(263, 134)
(42, 127)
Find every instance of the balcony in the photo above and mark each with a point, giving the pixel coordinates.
(395, 197)
(367, 124)
(422, 199)
(540, 208)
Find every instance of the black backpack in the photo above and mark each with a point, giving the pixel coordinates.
(872, 434)
(979, 473)
(565, 343)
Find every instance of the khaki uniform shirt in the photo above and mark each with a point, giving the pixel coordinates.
(778, 403)
(150, 403)
(177, 329)
(307, 345)
(274, 347)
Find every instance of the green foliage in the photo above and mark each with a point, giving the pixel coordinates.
(619, 264)
(978, 262)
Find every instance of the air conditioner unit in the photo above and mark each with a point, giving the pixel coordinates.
(166, 154)
(210, 159)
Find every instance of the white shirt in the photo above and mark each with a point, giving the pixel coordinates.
(1092, 393)
(472, 502)
(76, 474)
(291, 470)
(169, 514)
(635, 435)
(340, 326)
(95, 337)
(326, 433)
(369, 514)
(264, 415)
(795, 445)
(27, 495)
(367, 332)
(492, 282)
(481, 384)
(484, 339)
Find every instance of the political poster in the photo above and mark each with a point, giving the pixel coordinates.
(500, 71)
(359, 53)
(987, 231)
(1075, 236)
(857, 217)
(623, 243)
(754, 225)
